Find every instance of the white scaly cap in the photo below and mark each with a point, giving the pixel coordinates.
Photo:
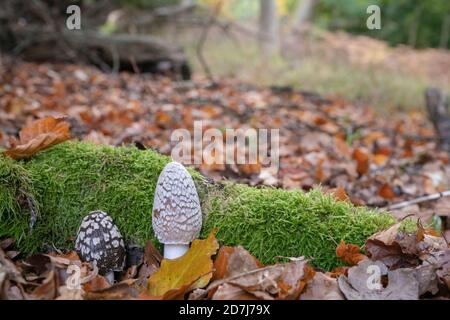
(177, 215)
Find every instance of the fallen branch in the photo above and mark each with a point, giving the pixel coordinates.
(431, 197)
(202, 41)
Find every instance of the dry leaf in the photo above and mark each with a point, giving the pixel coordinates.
(392, 248)
(322, 287)
(39, 135)
(48, 290)
(119, 291)
(362, 161)
(349, 253)
(280, 281)
(340, 194)
(386, 192)
(192, 270)
(364, 282)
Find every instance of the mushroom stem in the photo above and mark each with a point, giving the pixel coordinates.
(173, 251)
(110, 277)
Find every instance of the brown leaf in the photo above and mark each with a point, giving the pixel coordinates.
(338, 271)
(349, 253)
(280, 281)
(228, 291)
(152, 261)
(322, 287)
(96, 284)
(48, 290)
(386, 192)
(39, 135)
(391, 248)
(362, 161)
(340, 194)
(402, 283)
(119, 291)
(221, 263)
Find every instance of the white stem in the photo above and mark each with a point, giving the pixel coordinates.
(173, 251)
(110, 277)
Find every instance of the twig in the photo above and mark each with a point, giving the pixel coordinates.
(202, 41)
(407, 203)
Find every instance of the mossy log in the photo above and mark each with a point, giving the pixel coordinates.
(65, 182)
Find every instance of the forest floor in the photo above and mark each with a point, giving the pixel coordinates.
(329, 142)
(345, 147)
(337, 64)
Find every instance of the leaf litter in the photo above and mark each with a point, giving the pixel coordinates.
(353, 154)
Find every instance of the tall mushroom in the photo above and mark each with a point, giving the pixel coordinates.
(177, 216)
(99, 241)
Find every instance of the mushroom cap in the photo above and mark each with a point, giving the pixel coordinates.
(177, 215)
(99, 240)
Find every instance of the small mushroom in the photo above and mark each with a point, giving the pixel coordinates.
(177, 216)
(99, 241)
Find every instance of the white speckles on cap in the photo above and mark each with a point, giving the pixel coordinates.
(177, 217)
(99, 241)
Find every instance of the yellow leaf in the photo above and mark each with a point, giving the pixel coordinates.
(191, 271)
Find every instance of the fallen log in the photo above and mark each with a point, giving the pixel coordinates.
(67, 181)
(119, 52)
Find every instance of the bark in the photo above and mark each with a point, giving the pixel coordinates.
(268, 27)
(445, 32)
(437, 104)
(304, 13)
(117, 52)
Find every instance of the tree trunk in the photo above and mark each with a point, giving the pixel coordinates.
(304, 13)
(438, 112)
(445, 32)
(268, 27)
(415, 26)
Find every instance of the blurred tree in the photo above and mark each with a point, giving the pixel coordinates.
(268, 27)
(304, 12)
(415, 22)
(149, 4)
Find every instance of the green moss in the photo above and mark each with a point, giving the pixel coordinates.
(271, 222)
(71, 179)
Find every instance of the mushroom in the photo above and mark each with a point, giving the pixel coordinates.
(99, 241)
(177, 216)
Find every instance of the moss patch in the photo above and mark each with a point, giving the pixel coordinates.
(71, 179)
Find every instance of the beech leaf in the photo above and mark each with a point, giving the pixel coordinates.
(39, 135)
(191, 271)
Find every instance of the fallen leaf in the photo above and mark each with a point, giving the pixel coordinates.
(362, 161)
(349, 253)
(386, 192)
(191, 271)
(96, 284)
(364, 282)
(39, 135)
(119, 291)
(340, 194)
(322, 287)
(393, 249)
(280, 281)
(48, 290)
